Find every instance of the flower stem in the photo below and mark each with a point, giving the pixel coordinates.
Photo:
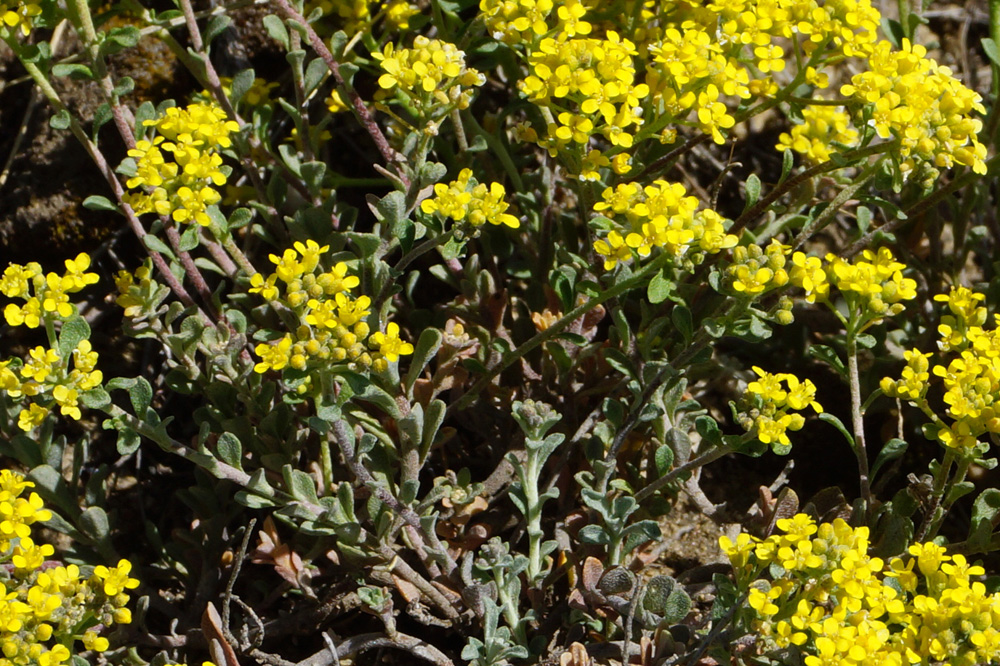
(857, 418)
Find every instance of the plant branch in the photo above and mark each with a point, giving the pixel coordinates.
(364, 115)
(558, 327)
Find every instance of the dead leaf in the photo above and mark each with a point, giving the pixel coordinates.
(286, 562)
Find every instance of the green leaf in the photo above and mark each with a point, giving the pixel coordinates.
(156, 245)
(242, 83)
(60, 120)
(708, 429)
(299, 484)
(622, 326)
(313, 174)
(830, 356)
(128, 441)
(146, 111)
(594, 534)
(391, 208)
(230, 450)
(189, 239)
(991, 50)
(838, 424)
(787, 164)
(97, 202)
(866, 341)
(124, 86)
(958, 491)
(258, 484)
(864, 215)
(683, 322)
(664, 459)
(614, 410)
(893, 449)
(239, 218)
(215, 26)
(659, 287)
(75, 71)
(619, 362)
(276, 30)
(427, 347)
(124, 37)
(985, 510)
(715, 327)
(316, 70)
(94, 523)
(74, 331)
(433, 418)
(139, 392)
(893, 30)
(252, 501)
(641, 532)
(752, 191)
(54, 489)
(95, 398)
(432, 172)
(677, 607)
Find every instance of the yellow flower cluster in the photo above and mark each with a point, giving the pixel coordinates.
(873, 282)
(910, 96)
(817, 136)
(45, 295)
(357, 15)
(599, 89)
(18, 15)
(466, 199)
(44, 609)
(136, 291)
(769, 405)
(970, 379)
(691, 70)
(684, 62)
(179, 170)
(662, 216)
(432, 74)
(838, 606)
(755, 269)
(332, 326)
(514, 21)
(585, 87)
(44, 379)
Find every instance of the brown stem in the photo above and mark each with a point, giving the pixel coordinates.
(116, 187)
(360, 643)
(858, 423)
(403, 511)
(758, 208)
(222, 470)
(364, 115)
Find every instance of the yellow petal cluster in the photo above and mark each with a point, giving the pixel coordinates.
(660, 215)
(968, 372)
(178, 171)
(45, 606)
(43, 380)
(333, 326)
(836, 605)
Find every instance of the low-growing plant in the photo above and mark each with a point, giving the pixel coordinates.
(463, 301)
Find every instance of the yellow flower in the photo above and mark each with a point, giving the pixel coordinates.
(389, 344)
(115, 581)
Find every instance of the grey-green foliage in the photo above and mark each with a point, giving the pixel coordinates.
(535, 419)
(665, 600)
(614, 531)
(496, 646)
